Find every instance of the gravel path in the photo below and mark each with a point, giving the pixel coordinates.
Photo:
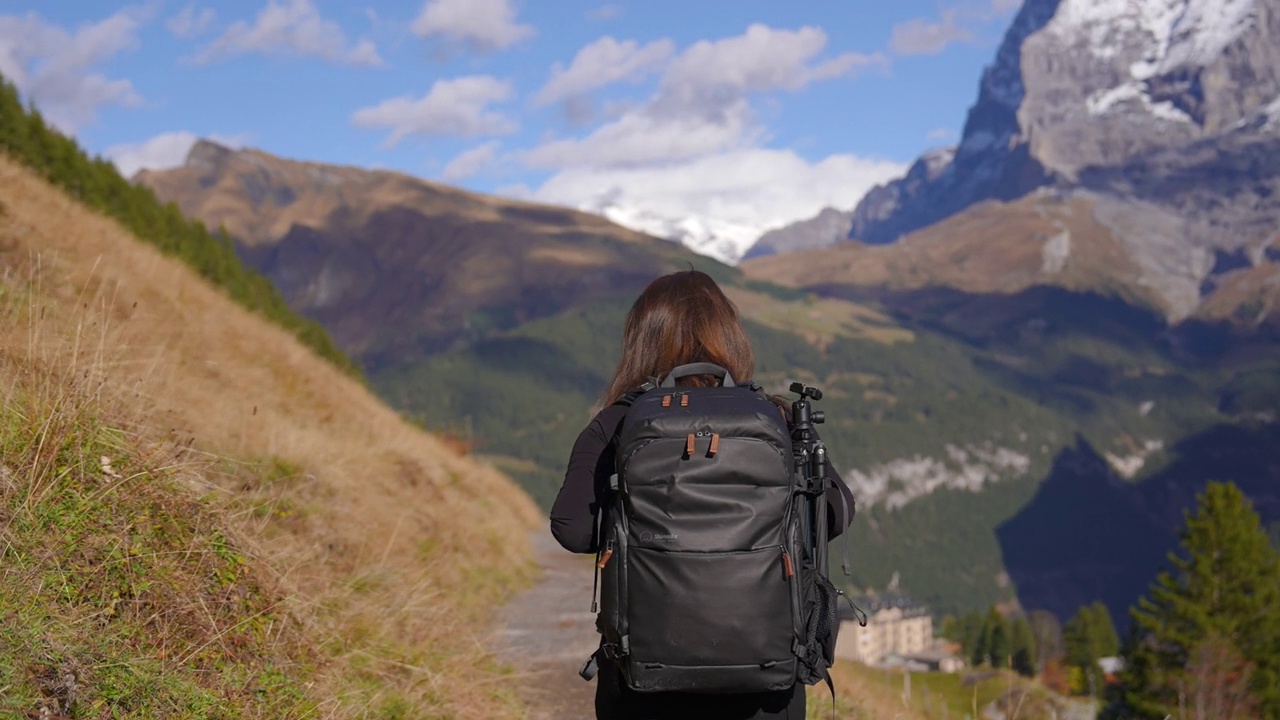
(548, 631)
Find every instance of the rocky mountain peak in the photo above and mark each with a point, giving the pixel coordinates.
(208, 156)
(1109, 80)
(1168, 110)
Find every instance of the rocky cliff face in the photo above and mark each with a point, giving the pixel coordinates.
(1169, 109)
(822, 230)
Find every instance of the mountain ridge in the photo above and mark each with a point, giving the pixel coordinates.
(346, 244)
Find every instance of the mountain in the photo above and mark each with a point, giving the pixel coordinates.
(398, 268)
(1165, 114)
(948, 405)
(724, 240)
(1069, 240)
(826, 228)
(1107, 231)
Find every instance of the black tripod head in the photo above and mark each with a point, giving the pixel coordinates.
(800, 412)
(804, 391)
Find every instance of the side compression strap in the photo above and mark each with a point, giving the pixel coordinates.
(845, 566)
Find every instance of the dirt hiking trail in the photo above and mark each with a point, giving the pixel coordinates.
(546, 633)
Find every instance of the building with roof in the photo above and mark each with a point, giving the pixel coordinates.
(896, 626)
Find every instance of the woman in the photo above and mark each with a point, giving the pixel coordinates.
(680, 318)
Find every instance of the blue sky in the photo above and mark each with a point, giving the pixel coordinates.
(753, 110)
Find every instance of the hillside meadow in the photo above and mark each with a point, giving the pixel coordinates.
(200, 518)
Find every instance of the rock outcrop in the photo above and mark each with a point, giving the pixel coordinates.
(1167, 109)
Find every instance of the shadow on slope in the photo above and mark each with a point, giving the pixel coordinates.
(1087, 535)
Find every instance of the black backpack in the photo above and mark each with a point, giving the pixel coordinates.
(707, 583)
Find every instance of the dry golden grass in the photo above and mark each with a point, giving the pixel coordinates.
(819, 320)
(992, 247)
(860, 698)
(1249, 295)
(392, 547)
(867, 693)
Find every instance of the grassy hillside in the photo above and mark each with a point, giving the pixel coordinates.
(200, 518)
(97, 183)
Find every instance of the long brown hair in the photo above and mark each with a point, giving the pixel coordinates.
(681, 318)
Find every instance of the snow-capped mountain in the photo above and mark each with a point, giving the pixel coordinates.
(1165, 108)
(724, 240)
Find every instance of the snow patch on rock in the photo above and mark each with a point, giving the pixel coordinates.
(1176, 33)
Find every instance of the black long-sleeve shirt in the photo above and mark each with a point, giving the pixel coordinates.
(586, 482)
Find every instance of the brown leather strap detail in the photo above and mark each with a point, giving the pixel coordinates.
(666, 401)
(786, 564)
(684, 401)
(604, 559)
(715, 445)
(688, 446)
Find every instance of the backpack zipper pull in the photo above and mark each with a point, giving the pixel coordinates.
(786, 564)
(604, 557)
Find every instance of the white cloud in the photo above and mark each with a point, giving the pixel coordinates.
(452, 107)
(690, 160)
(482, 24)
(470, 162)
(53, 67)
(290, 27)
(190, 22)
(603, 62)
(763, 59)
(703, 102)
(752, 187)
(163, 151)
(605, 12)
(922, 37)
(642, 138)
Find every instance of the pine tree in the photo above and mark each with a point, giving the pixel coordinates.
(1022, 643)
(1222, 600)
(1078, 650)
(1102, 632)
(996, 636)
(969, 631)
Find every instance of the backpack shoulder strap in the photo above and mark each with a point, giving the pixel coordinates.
(629, 397)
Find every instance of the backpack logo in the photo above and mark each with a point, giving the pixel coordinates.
(648, 537)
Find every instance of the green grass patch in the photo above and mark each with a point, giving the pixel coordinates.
(939, 696)
(122, 595)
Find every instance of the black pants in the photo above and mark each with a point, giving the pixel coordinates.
(616, 701)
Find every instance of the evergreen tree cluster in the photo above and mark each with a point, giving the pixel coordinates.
(1087, 638)
(994, 640)
(97, 183)
(1207, 641)
(1037, 644)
